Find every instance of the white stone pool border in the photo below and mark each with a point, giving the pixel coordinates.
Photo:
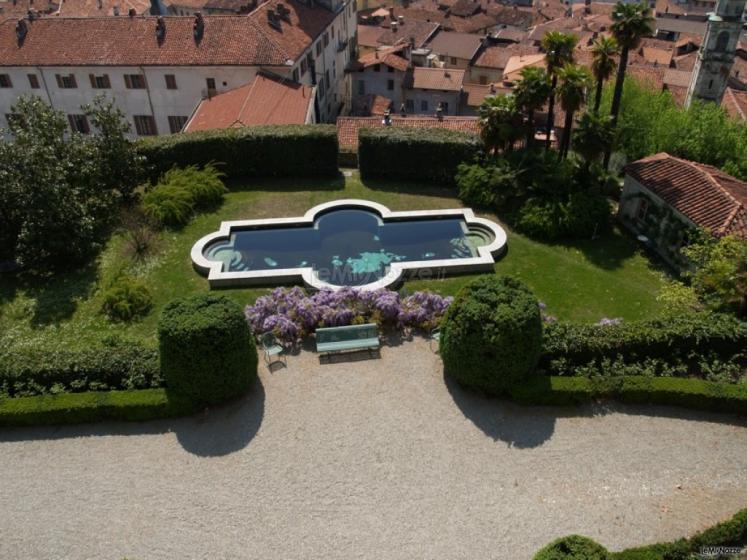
(397, 270)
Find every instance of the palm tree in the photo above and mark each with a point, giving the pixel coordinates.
(574, 83)
(531, 93)
(500, 122)
(593, 136)
(631, 22)
(604, 51)
(558, 49)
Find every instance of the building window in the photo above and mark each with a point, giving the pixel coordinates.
(66, 82)
(361, 87)
(482, 80)
(377, 67)
(389, 69)
(325, 39)
(79, 123)
(326, 79)
(321, 89)
(318, 48)
(100, 82)
(410, 106)
(453, 60)
(710, 84)
(390, 85)
(332, 31)
(34, 81)
(5, 81)
(134, 81)
(170, 81)
(145, 125)
(295, 75)
(210, 82)
(642, 209)
(722, 41)
(423, 105)
(176, 123)
(303, 67)
(445, 107)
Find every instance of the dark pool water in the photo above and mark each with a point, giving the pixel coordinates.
(346, 247)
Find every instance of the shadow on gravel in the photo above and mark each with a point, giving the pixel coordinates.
(214, 432)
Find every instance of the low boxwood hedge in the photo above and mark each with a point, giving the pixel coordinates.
(257, 151)
(567, 346)
(675, 391)
(731, 533)
(40, 369)
(76, 408)
(415, 154)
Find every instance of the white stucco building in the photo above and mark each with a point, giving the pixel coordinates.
(159, 69)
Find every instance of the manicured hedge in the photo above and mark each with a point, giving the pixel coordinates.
(76, 408)
(674, 391)
(491, 335)
(37, 370)
(257, 151)
(414, 154)
(208, 353)
(730, 533)
(567, 346)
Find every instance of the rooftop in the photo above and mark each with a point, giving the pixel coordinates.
(707, 196)
(410, 29)
(267, 99)
(437, 79)
(459, 45)
(387, 56)
(735, 103)
(242, 40)
(348, 127)
(497, 56)
(515, 64)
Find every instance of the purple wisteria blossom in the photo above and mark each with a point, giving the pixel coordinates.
(607, 322)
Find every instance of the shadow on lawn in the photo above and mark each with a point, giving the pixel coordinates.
(214, 432)
(286, 184)
(404, 187)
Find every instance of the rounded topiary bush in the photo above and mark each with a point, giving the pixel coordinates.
(207, 350)
(491, 336)
(573, 547)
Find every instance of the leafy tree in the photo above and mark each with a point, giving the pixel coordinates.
(604, 50)
(531, 94)
(719, 274)
(500, 122)
(592, 137)
(574, 82)
(59, 191)
(631, 22)
(558, 49)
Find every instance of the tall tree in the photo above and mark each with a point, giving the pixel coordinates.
(631, 22)
(531, 94)
(500, 122)
(558, 49)
(574, 84)
(592, 137)
(604, 50)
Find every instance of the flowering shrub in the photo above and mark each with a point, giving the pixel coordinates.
(291, 314)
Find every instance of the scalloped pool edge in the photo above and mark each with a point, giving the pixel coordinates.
(397, 271)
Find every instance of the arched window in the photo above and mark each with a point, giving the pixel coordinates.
(722, 41)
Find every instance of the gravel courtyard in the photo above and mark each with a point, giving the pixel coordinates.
(369, 459)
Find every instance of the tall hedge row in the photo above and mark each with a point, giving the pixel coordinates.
(257, 151)
(208, 353)
(668, 339)
(414, 154)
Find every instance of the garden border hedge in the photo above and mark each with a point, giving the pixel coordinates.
(675, 391)
(76, 408)
(256, 151)
(433, 154)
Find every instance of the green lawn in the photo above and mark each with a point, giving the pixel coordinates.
(580, 281)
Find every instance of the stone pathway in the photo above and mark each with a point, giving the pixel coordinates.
(368, 459)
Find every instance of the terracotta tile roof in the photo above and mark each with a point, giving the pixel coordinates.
(735, 103)
(92, 8)
(437, 79)
(22, 7)
(420, 31)
(511, 34)
(348, 127)
(388, 57)
(515, 64)
(707, 196)
(739, 71)
(685, 61)
(679, 94)
(653, 76)
(679, 78)
(368, 35)
(131, 41)
(497, 56)
(564, 24)
(459, 45)
(265, 100)
(656, 56)
(464, 8)
(475, 94)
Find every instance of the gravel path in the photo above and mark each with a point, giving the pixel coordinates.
(376, 458)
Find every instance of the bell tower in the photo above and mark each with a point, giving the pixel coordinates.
(716, 55)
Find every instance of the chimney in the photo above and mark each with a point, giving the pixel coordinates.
(492, 89)
(387, 118)
(401, 20)
(160, 29)
(198, 28)
(131, 12)
(115, 11)
(393, 27)
(391, 14)
(100, 4)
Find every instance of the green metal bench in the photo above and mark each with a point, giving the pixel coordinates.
(352, 337)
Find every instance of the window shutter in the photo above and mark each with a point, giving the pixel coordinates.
(107, 83)
(59, 80)
(93, 80)
(72, 80)
(128, 84)
(72, 122)
(86, 128)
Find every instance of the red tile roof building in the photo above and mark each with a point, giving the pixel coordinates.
(267, 99)
(705, 196)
